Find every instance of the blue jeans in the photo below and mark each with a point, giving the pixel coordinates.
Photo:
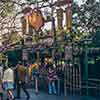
(52, 87)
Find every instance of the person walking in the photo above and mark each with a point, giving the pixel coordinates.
(52, 76)
(8, 82)
(21, 73)
(34, 73)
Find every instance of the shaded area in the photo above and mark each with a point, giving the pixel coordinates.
(45, 96)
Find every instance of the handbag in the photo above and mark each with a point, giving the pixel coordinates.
(4, 85)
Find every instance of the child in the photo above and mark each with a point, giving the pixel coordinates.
(52, 76)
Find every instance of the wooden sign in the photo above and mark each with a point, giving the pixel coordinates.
(60, 18)
(69, 17)
(68, 53)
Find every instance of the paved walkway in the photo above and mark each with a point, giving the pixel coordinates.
(45, 96)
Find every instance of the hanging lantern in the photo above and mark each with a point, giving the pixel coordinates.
(36, 19)
(60, 18)
(69, 18)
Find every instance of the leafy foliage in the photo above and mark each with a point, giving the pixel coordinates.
(86, 19)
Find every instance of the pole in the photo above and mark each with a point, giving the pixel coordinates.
(65, 82)
(86, 66)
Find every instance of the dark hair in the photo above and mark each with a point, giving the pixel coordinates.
(50, 66)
